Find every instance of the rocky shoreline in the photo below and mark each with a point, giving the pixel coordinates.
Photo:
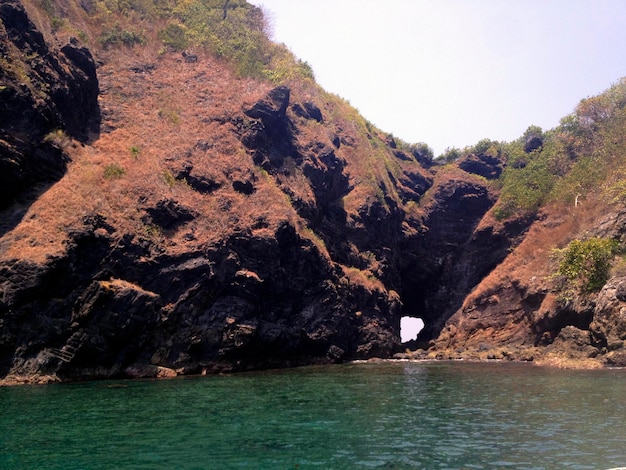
(535, 357)
(154, 230)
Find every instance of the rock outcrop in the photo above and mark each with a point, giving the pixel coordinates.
(256, 227)
(43, 90)
(517, 312)
(115, 302)
(257, 301)
(608, 326)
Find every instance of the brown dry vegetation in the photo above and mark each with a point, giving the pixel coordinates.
(160, 112)
(531, 262)
(498, 315)
(133, 105)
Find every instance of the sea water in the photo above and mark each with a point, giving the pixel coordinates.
(354, 416)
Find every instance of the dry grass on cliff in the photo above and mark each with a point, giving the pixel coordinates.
(530, 263)
(152, 121)
(180, 114)
(160, 113)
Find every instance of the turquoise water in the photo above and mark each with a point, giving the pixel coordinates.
(390, 416)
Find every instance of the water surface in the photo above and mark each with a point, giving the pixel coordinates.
(390, 415)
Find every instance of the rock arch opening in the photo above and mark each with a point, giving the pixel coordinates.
(409, 328)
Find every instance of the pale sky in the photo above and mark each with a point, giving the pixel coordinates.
(452, 72)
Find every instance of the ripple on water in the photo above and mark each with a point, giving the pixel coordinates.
(393, 415)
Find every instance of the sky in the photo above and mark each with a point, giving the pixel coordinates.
(452, 72)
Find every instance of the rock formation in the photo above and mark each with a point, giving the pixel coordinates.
(43, 90)
(260, 226)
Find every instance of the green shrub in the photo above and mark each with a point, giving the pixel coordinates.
(48, 7)
(174, 36)
(56, 23)
(586, 263)
(524, 189)
(57, 137)
(284, 66)
(584, 177)
(118, 36)
(233, 30)
(169, 113)
(617, 190)
(484, 147)
(422, 150)
(450, 155)
(168, 178)
(152, 230)
(113, 171)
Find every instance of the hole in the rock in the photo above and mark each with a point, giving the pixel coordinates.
(409, 328)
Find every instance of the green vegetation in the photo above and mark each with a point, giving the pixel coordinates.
(135, 151)
(236, 32)
(56, 22)
(486, 147)
(423, 150)
(232, 30)
(585, 154)
(152, 231)
(113, 171)
(169, 113)
(168, 178)
(450, 155)
(527, 181)
(57, 137)
(174, 36)
(586, 264)
(117, 35)
(47, 6)
(14, 70)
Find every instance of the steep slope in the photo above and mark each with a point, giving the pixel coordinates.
(43, 90)
(522, 311)
(207, 207)
(558, 297)
(205, 229)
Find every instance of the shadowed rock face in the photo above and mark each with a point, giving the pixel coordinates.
(113, 305)
(453, 252)
(168, 215)
(260, 301)
(483, 165)
(43, 90)
(267, 130)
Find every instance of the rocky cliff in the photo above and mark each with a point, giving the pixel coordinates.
(43, 90)
(520, 312)
(163, 215)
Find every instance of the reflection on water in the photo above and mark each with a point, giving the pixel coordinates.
(391, 415)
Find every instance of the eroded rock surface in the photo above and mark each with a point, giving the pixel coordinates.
(43, 90)
(254, 231)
